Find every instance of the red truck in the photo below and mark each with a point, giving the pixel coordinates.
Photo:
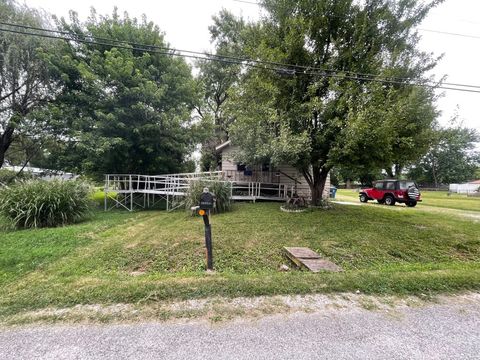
(390, 192)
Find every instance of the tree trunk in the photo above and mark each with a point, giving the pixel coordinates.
(5, 142)
(348, 184)
(316, 179)
(2, 156)
(398, 170)
(434, 175)
(389, 172)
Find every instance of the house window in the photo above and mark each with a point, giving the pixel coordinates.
(265, 167)
(241, 167)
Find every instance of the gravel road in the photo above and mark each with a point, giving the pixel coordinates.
(435, 331)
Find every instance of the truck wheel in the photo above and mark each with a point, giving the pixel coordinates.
(411, 203)
(389, 200)
(363, 198)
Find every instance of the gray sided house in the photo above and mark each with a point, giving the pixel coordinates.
(284, 177)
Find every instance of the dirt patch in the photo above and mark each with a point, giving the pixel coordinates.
(223, 309)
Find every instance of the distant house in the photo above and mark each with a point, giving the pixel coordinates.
(285, 175)
(44, 174)
(466, 188)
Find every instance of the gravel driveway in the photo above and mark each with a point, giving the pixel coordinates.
(436, 331)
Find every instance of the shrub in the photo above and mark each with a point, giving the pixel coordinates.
(220, 189)
(37, 203)
(8, 177)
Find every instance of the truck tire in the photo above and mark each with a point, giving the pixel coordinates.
(413, 193)
(389, 200)
(411, 203)
(363, 198)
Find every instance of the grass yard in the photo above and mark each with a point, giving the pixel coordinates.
(439, 199)
(121, 257)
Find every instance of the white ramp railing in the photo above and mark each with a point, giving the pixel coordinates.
(132, 190)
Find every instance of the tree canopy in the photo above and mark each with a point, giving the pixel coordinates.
(324, 110)
(26, 87)
(128, 108)
(216, 79)
(452, 158)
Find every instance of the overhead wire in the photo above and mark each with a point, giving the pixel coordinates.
(290, 69)
(223, 57)
(420, 29)
(450, 33)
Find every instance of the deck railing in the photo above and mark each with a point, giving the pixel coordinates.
(128, 190)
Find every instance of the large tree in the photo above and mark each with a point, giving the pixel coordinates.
(216, 78)
(127, 100)
(325, 111)
(452, 158)
(26, 87)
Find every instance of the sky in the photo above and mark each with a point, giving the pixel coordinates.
(185, 23)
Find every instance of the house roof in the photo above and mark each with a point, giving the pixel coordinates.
(475, 182)
(223, 146)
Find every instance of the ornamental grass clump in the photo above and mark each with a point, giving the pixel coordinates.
(8, 177)
(221, 190)
(37, 203)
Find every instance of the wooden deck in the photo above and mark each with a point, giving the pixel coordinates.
(306, 258)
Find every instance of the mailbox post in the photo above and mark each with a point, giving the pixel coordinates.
(207, 201)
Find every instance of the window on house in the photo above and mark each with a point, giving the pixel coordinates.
(248, 172)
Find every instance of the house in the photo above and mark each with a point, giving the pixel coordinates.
(277, 182)
(467, 188)
(44, 174)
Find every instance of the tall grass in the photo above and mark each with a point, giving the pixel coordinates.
(221, 190)
(8, 177)
(36, 203)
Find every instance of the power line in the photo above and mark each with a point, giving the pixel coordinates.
(240, 61)
(236, 59)
(426, 30)
(451, 33)
(247, 2)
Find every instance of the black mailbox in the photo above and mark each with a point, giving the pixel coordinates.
(206, 201)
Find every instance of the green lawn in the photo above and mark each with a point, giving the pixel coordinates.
(439, 199)
(122, 257)
(454, 201)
